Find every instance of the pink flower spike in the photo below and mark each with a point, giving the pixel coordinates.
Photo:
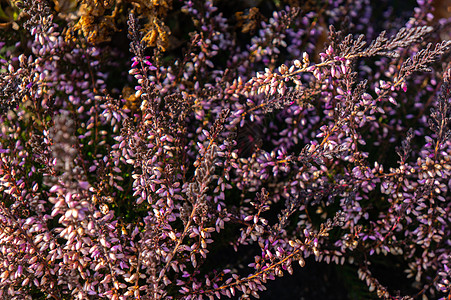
(404, 86)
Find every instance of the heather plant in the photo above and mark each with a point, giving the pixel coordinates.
(225, 145)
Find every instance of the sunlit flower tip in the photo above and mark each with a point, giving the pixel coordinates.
(404, 86)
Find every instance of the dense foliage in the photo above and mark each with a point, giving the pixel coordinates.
(200, 149)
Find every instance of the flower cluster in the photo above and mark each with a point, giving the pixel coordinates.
(286, 134)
